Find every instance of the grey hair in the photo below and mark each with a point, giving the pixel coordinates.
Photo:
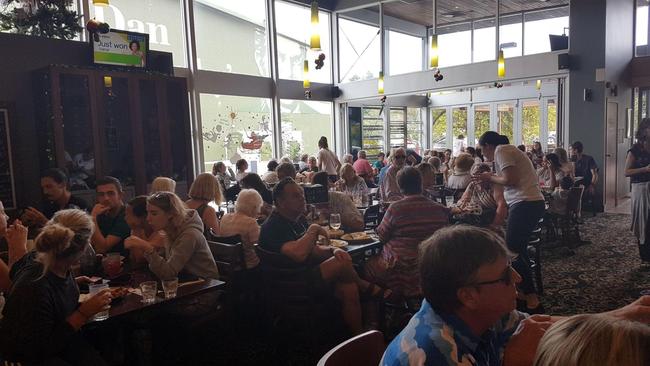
(362, 154)
(248, 202)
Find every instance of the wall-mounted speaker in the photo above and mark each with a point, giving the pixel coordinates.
(563, 61)
(336, 92)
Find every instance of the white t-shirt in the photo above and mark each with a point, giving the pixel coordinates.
(328, 161)
(527, 187)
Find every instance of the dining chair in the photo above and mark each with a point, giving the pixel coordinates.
(363, 350)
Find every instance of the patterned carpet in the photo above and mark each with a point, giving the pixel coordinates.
(600, 276)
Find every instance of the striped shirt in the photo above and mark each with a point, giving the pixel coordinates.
(407, 223)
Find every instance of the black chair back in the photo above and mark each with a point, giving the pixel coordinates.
(371, 216)
(229, 259)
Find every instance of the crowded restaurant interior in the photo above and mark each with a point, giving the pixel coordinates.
(325, 182)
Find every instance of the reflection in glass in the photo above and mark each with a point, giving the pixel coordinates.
(231, 36)
(303, 123)
(293, 26)
(117, 134)
(439, 129)
(530, 123)
(236, 128)
(481, 121)
(150, 130)
(77, 131)
(358, 51)
(506, 114)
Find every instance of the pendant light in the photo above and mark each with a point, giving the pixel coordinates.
(538, 84)
(434, 40)
(314, 43)
(100, 2)
(305, 74)
(380, 83)
(501, 65)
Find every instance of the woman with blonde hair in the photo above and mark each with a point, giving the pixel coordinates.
(43, 315)
(350, 183)
(567, 167)
(163, 184)
(243, 222)
(204, 190)
(594, 339)
(186, 250)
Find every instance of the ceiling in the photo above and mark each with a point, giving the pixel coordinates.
(455, 11)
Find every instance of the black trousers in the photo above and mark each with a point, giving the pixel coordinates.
(523, 217)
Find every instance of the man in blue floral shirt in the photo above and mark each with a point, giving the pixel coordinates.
(468, 316)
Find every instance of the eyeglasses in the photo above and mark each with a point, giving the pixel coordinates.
(506, 278)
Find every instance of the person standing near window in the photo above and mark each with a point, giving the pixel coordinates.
(637, 167)
(327, 160)
(515, 172)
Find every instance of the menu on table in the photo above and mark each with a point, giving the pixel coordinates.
(7, 188)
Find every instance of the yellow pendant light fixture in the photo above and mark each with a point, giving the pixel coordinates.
(380, 83)
(434, 51)
(100, 2)
(108, 81)
(314, 43)
(305, 74)
(538, 84)
(501, 65)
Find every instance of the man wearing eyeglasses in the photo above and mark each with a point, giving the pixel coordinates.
(389, 190)
(108, 214)
(468, 316)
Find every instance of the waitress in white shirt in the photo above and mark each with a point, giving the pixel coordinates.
(515, 172)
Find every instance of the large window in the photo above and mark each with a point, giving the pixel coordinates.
(455, 45)
(484, 40)
(641, 38)
(506, 121)
(439, 128)
(372, 132)
(397, 127)
(358, 51)
(235, 128)
(293, 24)
(414, 129)
(161, 19)
(481, 121)
(231, 36)
(459, 129)
(538, 25)
(510, 33)
(530, 122)
(303, 123)
(405, 53)
(551, 115)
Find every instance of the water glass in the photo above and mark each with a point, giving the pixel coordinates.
(94, 288)
(149, 290)
(169, 287)
(335, 221)
(449, 200)
(112, 265)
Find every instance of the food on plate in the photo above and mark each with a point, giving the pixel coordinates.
(338, 243)
(355, 236)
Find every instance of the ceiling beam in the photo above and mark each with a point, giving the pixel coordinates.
(347, 5)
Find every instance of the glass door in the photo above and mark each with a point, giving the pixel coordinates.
(530, 123)
(372, 131)
(481, 121)
(397, 127)
(459, 129)
(506, 118)
(438, 128)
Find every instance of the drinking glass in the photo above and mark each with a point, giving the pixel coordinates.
(149, 290)
(169, 287)
(335, 221)
(112, 265)
(449, 200)
(94, 288)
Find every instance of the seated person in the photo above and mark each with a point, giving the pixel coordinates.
(487, 196)
(405, 224)
(460, 178)
(559, 197)
(363, 168)
(313, 164)
(389, 190)
(470, 291)
(271, 177)
(303, 164)
(186, 250)
(163, 184)
(243, 222)
(225, 176)
(428, 180)
(54, 184)
(108, 214)
(16, 237)
(287, 232)
(241, 165)
(253, 181)
(135, 215)
(287, 170)
(550, 172)
(340, 203)
(43, 316)
(203, 191)
(594, 339)
(350, 183)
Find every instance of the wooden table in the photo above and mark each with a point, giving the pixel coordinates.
(132, 302)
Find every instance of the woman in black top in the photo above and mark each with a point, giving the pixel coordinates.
(637, 167)
(42, 315)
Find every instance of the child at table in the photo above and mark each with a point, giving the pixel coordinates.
(560, 195)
